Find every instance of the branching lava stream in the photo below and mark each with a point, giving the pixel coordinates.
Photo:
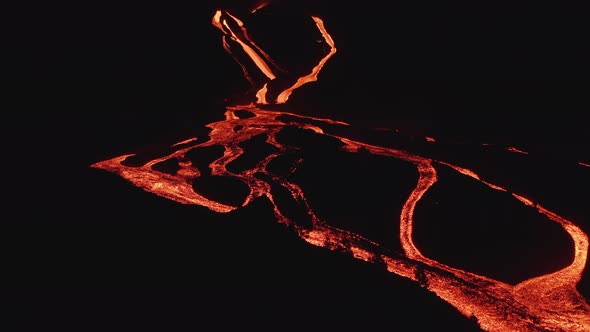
(548, 302)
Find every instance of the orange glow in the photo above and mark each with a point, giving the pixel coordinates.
(313, 76)
(216, 21)
(315, 237)
(224, 25)
(164, 185)
(461, 170)
(253, 51)
(515, 150)
(548, 302)
(362, 254)
(526, 201)
(260, 5)
(493, 186)
(261, 94)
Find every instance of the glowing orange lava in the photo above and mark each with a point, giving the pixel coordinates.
(515, 150)
(223, 20)
(548, 302)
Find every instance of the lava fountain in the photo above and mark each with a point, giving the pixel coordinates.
(549, 302)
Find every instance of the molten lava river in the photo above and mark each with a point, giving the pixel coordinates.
(268, 150)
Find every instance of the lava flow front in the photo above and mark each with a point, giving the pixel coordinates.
(550, 302)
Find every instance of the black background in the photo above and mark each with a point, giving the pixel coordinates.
(88, 82)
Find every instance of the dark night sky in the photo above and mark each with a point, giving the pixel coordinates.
(95, 81)
(408, 41)
(519, 68)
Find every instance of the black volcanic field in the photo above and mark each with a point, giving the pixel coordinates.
(100, 237)
(82, 248)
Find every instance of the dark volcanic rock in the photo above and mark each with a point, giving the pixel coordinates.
(223, 189)
(465, 224)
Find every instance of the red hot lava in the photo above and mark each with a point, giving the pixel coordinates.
(548, 302)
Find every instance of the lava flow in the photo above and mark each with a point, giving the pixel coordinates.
(548, 302)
